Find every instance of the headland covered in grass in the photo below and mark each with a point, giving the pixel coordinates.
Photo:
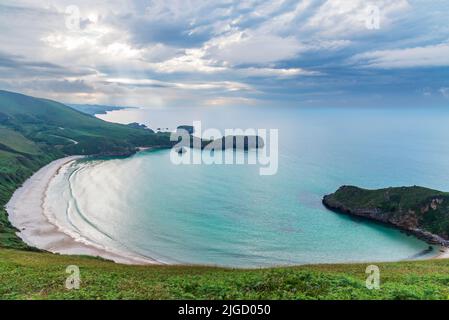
(419, 211)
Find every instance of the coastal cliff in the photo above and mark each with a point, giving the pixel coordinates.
(419, 211)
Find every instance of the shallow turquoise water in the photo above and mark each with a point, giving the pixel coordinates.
(230, 215)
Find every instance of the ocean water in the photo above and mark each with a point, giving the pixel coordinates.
(230, 215)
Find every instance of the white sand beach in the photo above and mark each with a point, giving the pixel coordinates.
(25, 210)
(26, 213)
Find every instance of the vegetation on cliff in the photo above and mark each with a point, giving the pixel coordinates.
(421, 211)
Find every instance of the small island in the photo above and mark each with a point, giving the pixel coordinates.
(419, 211)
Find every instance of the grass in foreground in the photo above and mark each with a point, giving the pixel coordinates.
(33, 275)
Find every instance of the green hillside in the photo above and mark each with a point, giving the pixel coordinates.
(34, 131)
(17, 142)
(71, 132)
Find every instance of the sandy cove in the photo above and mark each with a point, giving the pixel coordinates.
(25, 211)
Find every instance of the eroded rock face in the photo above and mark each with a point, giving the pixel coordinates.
(419, 211)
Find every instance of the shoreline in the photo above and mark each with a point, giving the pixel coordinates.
(26, 213)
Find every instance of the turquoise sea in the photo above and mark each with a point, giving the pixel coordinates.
(230, 215)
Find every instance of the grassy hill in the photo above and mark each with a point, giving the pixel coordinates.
(421, 211)
(13, 140)
(34, 131)
(50, 123)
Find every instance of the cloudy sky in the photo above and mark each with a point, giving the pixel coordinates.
(207, 53)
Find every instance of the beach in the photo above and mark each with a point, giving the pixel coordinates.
(30, 213)
(26, 213)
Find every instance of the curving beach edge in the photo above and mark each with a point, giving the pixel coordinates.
(26, 213)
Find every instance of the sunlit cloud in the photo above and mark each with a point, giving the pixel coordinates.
(224, 52)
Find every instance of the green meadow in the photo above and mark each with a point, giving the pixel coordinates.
(35, 275)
